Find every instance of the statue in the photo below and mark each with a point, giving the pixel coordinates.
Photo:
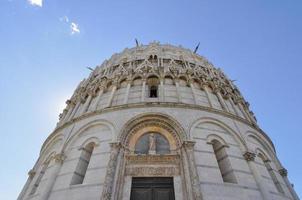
(152, 144)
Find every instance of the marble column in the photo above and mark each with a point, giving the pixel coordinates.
(96, 103)
(193, 92)
(283, 173)
(161, 90)
(111, 96)
(177, 90)
(70, 107)
(189, 149)
(187, 176)
(250, 158)
(222, 102)
(243, 111)
(127, 92)
(111, 170)
(143, 90)
(50, 181)
(234, 106)
(86, 104)
(74, 111)
(208, 95)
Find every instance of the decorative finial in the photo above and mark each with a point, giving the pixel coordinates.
(137, 44)
(196, 48)
(89, 68)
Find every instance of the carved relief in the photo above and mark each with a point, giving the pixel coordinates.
(152, 171)
(152, 159)
(249, 156)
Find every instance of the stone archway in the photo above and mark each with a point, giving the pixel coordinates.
(178, 164)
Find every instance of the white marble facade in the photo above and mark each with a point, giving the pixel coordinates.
(216, 149)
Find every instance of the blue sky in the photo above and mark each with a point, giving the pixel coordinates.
(45, 49)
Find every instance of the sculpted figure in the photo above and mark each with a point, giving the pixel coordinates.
(152, 144)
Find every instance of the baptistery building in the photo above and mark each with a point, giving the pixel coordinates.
(157, 122)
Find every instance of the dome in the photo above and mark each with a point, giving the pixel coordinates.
(157, 121)
(190, 79)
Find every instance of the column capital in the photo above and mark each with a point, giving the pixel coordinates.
(189, 144)
(59, 158)
(283, 172)
(31, 173)
(249, 156)
(115, 145)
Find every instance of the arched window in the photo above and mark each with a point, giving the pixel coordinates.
(81, 168)
(153, 91)
(152, 143)
(39, 178)
(224, 163)
(270, 170)
(153, 83)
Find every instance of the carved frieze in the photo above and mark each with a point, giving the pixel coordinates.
(152, 159)
(152, 171)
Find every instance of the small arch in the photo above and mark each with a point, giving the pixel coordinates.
(183, 81)
(51, 143)
(196, 84)
(94, 140)
(152, 76)
(136, 77)
(88, 125)
(137, 81)
(213, 137)
(164, 123)
(262, 155)
(262, 141)
(168, 80)
(123, 83)
(109, 85)
(240, 141)
(153, 83)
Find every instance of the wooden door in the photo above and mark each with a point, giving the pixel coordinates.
(154, 188)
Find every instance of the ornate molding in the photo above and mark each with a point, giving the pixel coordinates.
(249, 156)
(283, 172)
(163, 60)
(152, 171)
(152, 159)
(31, 173)
(59, 158)
(189, 144)
(111, 167)
(157, 120)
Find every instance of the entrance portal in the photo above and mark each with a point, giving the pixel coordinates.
(152, 188)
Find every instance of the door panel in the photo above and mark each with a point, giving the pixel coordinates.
(141, 193)
(152, 188)
(162, 194)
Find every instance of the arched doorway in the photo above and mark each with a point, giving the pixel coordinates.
(156, 161)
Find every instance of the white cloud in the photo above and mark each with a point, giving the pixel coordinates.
(74, 28)
(35, 2)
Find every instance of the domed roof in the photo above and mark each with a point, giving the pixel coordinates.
(160, 61)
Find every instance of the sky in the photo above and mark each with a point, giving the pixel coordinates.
(46, 45)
